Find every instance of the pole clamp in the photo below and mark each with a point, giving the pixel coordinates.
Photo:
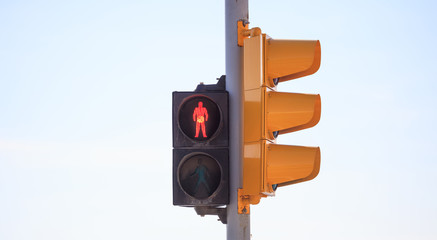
(244, 31)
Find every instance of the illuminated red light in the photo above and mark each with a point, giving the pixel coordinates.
(200, 116)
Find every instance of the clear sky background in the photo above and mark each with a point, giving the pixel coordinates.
(85, 118)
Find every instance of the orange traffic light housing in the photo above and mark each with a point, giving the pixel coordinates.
(268, 113)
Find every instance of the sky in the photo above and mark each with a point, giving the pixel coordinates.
(85, 118)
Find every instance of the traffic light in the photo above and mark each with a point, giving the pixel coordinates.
(200, 146)
(268, 114)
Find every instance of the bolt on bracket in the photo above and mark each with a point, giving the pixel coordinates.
(244, 32)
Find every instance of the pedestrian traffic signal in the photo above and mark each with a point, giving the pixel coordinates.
(201, 105)
(200, 142)
(268, 113)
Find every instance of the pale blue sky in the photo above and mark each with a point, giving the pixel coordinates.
(85, 118)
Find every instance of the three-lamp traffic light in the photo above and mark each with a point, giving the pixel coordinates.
(200, 142)
(268, 113)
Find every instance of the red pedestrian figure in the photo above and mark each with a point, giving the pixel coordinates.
(200, 116)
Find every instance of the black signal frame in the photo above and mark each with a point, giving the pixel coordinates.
(215, 147)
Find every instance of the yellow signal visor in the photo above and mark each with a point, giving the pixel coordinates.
(289, 112)
(291, 164)
(290, 59)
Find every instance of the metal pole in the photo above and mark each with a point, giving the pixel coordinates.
(238, 225)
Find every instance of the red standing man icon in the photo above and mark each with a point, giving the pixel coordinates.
(200, 116)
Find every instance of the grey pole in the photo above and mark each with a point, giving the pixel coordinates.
(238, 225)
